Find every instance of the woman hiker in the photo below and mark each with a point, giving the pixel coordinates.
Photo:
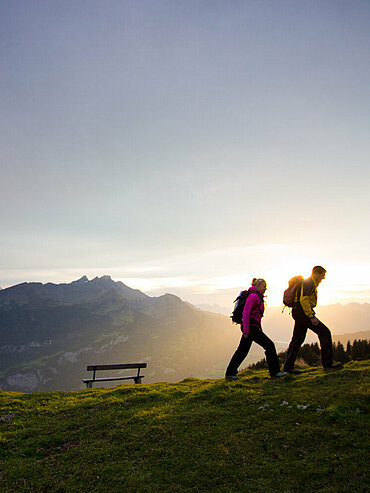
(252, 331)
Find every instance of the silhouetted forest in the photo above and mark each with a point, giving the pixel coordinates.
(310, 354)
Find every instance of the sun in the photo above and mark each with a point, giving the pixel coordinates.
(278, 275)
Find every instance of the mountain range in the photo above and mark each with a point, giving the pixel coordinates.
(50, 332)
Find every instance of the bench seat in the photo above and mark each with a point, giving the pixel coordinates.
(85, 380)
(124, 366)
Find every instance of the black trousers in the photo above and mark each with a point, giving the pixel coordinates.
(256, 335)
(302, 323)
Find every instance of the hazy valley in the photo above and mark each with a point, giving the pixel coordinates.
(49, 333)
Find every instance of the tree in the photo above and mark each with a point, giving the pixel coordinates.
(349, 350)
(360, 349)
(339, 353)
(310, 353)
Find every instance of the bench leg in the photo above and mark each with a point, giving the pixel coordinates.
(89, 385)
(137, 380)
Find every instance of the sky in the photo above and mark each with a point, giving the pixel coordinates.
(186, 146)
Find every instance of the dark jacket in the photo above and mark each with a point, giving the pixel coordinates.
(306, 296)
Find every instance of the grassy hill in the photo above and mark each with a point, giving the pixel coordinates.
(304, 433)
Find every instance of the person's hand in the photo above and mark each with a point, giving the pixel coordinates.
(315, 321)
(245, 335)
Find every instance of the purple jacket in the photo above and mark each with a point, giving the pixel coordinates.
(253, 310)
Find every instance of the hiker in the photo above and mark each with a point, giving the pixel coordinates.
(252, 331)
(304, 316)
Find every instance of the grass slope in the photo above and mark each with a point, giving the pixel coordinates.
(197, 435)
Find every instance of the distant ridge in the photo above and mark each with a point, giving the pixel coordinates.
(351, 336)
(80, 290)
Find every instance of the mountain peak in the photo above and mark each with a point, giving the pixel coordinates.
(82, 280)
(103, 278)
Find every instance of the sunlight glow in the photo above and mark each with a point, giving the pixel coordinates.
(343, 283)
(152, 284)
(217, 276)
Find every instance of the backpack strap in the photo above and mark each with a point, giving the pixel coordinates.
(298, 292)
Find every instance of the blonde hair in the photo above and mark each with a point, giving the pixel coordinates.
(256, 281)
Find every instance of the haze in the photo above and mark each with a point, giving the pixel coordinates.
(186, 146)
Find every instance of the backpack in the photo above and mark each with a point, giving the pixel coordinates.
(290, 292)
(237, 315)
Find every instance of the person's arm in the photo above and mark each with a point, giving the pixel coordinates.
(251, 302)
(306, 290)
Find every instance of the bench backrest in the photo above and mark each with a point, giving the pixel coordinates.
(125, 366)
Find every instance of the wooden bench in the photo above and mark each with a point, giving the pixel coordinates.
(137, 378)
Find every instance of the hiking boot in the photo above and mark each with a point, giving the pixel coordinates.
(281, 374)
(294, 371)
(336, 365)
(231, 378)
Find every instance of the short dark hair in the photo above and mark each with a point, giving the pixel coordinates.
(318, 270)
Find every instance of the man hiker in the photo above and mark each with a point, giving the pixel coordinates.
(304, 317)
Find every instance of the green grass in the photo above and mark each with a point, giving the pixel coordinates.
(193, 436)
